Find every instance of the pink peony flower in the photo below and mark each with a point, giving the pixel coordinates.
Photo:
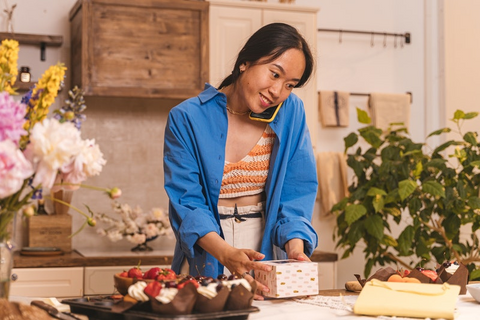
(14, 168)
(12, 115)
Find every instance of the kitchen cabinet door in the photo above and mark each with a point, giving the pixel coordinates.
(48, 282)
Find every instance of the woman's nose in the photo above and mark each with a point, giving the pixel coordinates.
(275, 89)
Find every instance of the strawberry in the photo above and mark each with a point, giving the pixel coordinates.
(153, 289)
(166, 274)
(124, 274)
(183, 284)
(152, 273)
(432, 274)
(135, 272)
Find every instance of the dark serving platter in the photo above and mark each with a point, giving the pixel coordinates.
(100, 308)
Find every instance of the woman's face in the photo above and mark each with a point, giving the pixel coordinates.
(264, 85)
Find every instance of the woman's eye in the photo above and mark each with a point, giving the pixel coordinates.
(275, 75)
(290, 86)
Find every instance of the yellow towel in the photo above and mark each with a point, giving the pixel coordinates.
(333, 108)
(332, 179)
(387, 108)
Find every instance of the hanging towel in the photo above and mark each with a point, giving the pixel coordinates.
(332, 179)
(333, 108)
(387, 108)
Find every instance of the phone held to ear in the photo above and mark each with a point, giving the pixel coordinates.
(267, 115)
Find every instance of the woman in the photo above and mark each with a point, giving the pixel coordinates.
(240, 189)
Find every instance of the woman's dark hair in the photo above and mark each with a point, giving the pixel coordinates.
(272, 41)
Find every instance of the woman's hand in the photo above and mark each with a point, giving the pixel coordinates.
(237, 261)
(294, 249)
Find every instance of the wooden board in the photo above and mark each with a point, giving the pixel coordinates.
(50, 231)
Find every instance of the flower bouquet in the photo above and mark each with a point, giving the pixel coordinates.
(134, 225)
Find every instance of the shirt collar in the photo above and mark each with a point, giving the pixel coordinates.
(208, 93)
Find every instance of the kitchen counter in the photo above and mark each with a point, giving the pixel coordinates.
(77, 259)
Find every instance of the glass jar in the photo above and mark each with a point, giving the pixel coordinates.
(25, 74)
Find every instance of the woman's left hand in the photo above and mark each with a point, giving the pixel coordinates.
(294, 249)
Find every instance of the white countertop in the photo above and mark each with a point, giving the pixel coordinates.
(325, 308)
(316, 308)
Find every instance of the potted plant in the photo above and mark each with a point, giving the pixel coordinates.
(435, 194)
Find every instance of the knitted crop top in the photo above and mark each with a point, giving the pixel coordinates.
(248, 176)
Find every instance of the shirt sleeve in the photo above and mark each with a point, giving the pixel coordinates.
(190, 216)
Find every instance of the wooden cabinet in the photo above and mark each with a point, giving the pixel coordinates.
(232, 23)
(142, 48)
(48, 282)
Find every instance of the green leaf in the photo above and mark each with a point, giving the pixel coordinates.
(350, 140)
(434, 188)
(438, 132)
(459, 114)
(405, 240)
(471, 138)
(378, 203)
(368, 267)
(372, 137)
(374, 191)
(452, 226)
(470, 115)
(475, 163)
(363, 116)
(354, 212)
(356, 232)
(389, 241)
(340, 205)
(374, 226)
(474, 275)
(474, 202)
(418, 170)
(406, 188)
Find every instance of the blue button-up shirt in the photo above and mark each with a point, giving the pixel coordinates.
(194, 158)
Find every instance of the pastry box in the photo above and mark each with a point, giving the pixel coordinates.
(289, 278)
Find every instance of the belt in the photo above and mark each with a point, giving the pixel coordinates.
(240, 217)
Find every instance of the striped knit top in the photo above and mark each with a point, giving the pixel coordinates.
(248, 176)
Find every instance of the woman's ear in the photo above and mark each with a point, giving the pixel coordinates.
(242, 67)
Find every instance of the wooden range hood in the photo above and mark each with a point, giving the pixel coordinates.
(142, 48)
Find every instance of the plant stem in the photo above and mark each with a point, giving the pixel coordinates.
(67, 204)
(397, 260)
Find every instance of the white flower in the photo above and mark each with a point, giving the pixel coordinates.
(52, 144)
(101, 232)
(137, 238)
(157, 214)
(151, 230)
(114, 236)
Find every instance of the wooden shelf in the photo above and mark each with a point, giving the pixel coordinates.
(34, 39)
(23, 86)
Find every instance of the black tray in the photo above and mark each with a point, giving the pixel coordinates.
(99, 308)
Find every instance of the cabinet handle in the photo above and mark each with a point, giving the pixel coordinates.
(14, 277)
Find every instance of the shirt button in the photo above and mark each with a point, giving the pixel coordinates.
(216, 181)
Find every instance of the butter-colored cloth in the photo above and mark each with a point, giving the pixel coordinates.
(387, 108)
(333, 108)
(402, 299)
(332, 179)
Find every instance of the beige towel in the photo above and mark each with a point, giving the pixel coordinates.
(387, 108)
(333, 108)
(332, 179)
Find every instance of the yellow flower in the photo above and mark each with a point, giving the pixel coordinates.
(8, 65)
(43, 96)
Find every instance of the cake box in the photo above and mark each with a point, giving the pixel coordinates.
(289, 278)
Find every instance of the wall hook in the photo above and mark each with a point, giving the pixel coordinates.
(384, 40)
(371, 41)
(340, 37)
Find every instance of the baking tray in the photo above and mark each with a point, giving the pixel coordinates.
(99, 308)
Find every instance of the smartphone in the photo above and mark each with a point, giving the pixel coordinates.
(267, 115)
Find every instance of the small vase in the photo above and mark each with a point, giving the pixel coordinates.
(64, 196)
(7, 219)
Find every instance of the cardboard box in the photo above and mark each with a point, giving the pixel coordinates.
(289, 278)
(50, 231)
